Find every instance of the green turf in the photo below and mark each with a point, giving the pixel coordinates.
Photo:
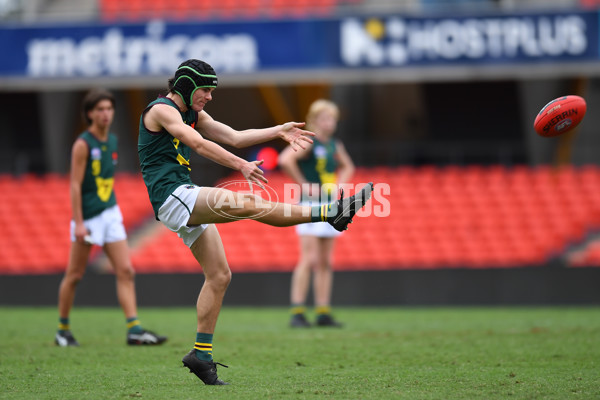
(382, 353)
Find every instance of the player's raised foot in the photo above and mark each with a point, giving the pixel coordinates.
(327, 320)
(145, 338)
(346, 208)
(299, 321)
(65, 339)
(205, 370)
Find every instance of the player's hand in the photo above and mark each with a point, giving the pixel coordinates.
(253, 174)
(80, 233)
(296, 137)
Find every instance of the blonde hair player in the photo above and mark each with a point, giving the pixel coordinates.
(319, 169)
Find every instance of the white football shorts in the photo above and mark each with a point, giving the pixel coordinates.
(176, 210)
(106, 227)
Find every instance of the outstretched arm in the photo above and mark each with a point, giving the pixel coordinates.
(291, 132)
(161, 116)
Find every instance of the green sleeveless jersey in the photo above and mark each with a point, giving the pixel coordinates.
(164, 160)
(97, 192)
(320, 166)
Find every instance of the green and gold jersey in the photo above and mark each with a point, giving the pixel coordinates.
(97, 192)
(164, 160)
(320, 166)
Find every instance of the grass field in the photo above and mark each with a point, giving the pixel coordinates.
(381, 353)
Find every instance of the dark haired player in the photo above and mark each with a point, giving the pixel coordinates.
(97, 219)
(173, 126)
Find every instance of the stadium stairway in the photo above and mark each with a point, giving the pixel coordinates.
(419, 218)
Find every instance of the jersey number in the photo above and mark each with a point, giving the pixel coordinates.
(326, 177)
(180, 158)
(105, 187)
(96, 167)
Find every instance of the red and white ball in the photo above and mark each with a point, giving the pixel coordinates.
(560, 116)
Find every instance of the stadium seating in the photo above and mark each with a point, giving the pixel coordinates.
(34, 237)
(468, 217)
(138, 10)
(420, 217)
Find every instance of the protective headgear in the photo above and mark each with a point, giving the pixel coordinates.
(192, 75)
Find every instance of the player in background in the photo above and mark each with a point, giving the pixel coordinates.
(97, 219)
(173, 126)
(319, 169)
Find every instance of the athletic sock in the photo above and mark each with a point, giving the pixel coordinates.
(133, 325)
(323, 310)
(321, 213)
(203, 346)
(63, 325)
(297, 309)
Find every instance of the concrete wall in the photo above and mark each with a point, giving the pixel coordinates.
(551, 285)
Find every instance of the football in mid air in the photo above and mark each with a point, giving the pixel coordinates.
(560, 116)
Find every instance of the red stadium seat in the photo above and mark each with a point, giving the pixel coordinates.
(475, 217)
(141, 10)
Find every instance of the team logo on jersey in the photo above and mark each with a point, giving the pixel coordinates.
(115, 157)
(320, 151)
(96, 153)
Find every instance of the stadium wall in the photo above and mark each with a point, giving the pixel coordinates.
(551, 285)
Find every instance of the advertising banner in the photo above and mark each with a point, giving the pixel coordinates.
(394, 41)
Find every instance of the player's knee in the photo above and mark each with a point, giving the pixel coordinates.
(73, 278)
(225, 278)
(323, 265)
(249, 205)
(125, 272)
(312, 260)
(221, 278)
(323, 262)
(307, 263)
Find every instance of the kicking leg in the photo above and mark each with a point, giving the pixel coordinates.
(217, 205)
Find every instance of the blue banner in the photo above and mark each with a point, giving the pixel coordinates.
(399, 41)
(395, 41)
